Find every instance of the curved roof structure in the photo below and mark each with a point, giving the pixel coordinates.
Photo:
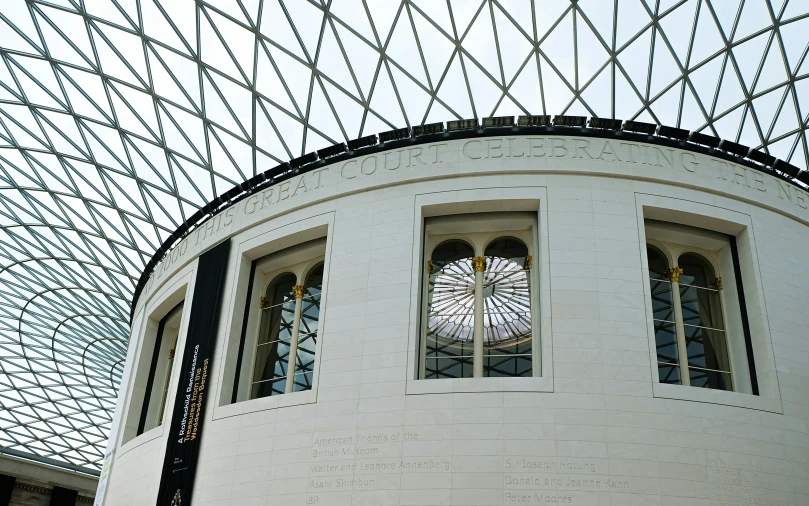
(119, 119)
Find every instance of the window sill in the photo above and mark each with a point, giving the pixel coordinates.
(475, 385)
(149, 435)
(722, 397)
(264, 403)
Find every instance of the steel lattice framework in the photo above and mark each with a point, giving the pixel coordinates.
(121, 118)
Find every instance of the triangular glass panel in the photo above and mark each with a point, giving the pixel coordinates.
(307, 20)
(440, 48)
(275, 26)
(525, 89)
(414, 99)
(332, 63)
(240, 41)
(665, 69)
(755, 17)
(558, 48)
(384, 101)
(787, 120)
(707, 39)
(267, 137)
(362, 58)
(774, 71)
(455, 95)
(485, 93)
(403, 47)
(156, 26)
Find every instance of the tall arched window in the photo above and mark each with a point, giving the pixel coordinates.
(275, 334)
(704, 328)
(664, 319)
(450, 311)
(478, 311)
(692, 345)
(307, 329)
(507, 336)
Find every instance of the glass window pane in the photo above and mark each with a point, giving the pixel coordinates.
(269, 388)
(275, 332)
(505, 366)
(450, 309)
(438, 368)
(703, 378)
(271, 361)
(701, 307)
(696, 270)
(302, 382)
(306, 355)
(662, 307)
(506, 309)
(666, 342)
(706, 348)
(658, 265)
(669, 374)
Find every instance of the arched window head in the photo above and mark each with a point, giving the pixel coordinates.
(658, 263)
(508, 248)
(507, 309)
(314, 280)
(275, 332)
(454, 252)
(450, 311)
(697, 271)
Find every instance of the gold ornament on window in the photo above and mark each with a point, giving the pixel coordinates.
(298, 290)
(674, 274)
(716, 284)
(262, 303)
(479, 264)
(429, 267)
(529, 263)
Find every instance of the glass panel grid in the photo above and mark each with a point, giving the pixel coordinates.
(103, 158)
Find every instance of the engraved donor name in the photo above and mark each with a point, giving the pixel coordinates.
(550, 464)
(513, 497)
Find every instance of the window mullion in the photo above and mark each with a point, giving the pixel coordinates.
(479, 264)
(292, 360)
(679, 326)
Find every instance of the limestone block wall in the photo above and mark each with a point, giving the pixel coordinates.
(597, 428)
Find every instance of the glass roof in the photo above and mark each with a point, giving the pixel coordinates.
(120, 118)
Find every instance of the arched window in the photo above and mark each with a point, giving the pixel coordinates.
(450, 311)
(275, 333)
(507, 336)
(704, 329)
(664, 320)
(307, 329)
(689, 330)
(478, 298)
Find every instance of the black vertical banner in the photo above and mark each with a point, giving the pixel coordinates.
(182, 450)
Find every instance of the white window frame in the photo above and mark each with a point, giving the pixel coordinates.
(723, 216)
(696, 241)
(468, 197)
(301, 271)
(268, 268)
(157, 307)
(478, 230)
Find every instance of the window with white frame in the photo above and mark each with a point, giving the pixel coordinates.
(282, 325)
(479, 298)
(697, 323)
(156, 393)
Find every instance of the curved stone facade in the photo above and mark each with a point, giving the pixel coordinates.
(594, 425)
